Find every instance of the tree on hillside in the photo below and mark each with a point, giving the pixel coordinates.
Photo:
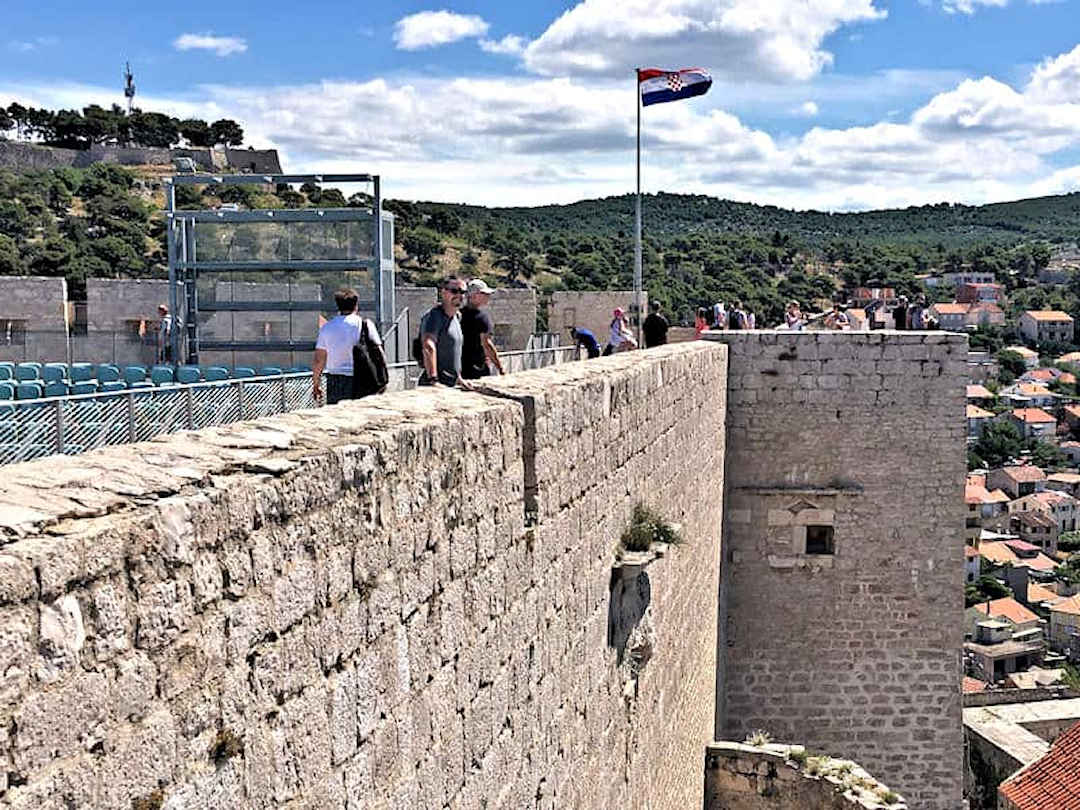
(154, 129)
(197, 133)
(422, 244)
(10, 262)
(1011, 362)
(17, 112)
(6, 121)
(1000, 441)
(227, 131)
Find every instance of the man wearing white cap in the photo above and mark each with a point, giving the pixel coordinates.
(478, 349)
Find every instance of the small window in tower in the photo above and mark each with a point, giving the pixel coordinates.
(819, 540)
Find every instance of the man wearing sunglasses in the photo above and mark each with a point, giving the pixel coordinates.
(441, 337)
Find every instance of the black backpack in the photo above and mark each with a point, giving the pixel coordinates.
(370, 375)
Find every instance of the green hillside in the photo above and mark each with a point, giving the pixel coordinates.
(107, 221)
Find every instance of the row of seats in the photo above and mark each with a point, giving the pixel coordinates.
(58, 379)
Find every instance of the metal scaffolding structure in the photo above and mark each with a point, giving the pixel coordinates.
(343, 240)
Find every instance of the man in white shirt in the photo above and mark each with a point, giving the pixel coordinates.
(334, 348)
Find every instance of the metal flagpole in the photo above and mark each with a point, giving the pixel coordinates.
(637, 212)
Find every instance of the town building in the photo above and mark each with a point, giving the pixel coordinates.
(1065, 627)
(1034, 423)
(1028, 395)
(1017, 481)
(1064, 481)
(977, 418)
(971, 565)
(982, 292)
(1046, 326)
(1005, 637)
(1060, 506)
(1037, 529)
(985, 511)
(1018, 554)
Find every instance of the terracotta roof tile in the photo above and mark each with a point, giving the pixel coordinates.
(1051, 782)
(1070, 605)
(1032, 415)
(975, 412)
(1040, 593)
(971, 551)
(951, 309)
(1007, 608)
(998, 551)
(1048, 315)
(979, 392)
(971, 685)
(1024, 473)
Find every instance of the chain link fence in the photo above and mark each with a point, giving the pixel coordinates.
(35, 428)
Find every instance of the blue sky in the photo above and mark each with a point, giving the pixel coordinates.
(834, 104)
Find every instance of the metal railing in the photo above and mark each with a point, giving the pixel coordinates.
(34, 428)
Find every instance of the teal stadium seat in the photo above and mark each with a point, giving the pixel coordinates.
(7, 371)
(134, 374)
(26, 372)
(214, 373)
(54, 372)
(162, 375)
(7, 390)
(86, 387)
(107, 373)
(188, 374)
(269, 371)
(242, 372)
(57, 389)
(112, 385)
(297, 369)
(30, 390)
(82, 372)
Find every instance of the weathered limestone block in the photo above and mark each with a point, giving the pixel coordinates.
(61, 721)
(61, 637)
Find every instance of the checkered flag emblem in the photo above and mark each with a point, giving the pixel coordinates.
(674, 81)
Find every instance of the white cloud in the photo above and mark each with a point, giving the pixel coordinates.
(428, 29)
(808, 109)
(778, 40)
(969, 6)
(222, 46)
(510, 45)
(28, 45)
(564, 139)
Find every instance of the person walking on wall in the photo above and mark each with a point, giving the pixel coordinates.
(737, 317)
(793, 318)
(838, 319)
(441, 339)
(700, 322)
(900, 312)
(918, 314)
(655, 328)
(585, 339)
(621, 338)
(166, 325)
(334, 348)
(478, 350)
(720, 316)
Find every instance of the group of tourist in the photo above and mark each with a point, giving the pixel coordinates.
(722, 317)
(454, 345)
(654, 331)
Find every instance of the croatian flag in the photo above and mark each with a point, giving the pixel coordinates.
(658, 86)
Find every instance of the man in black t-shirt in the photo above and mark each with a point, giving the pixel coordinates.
(655, 327)
(476, 327)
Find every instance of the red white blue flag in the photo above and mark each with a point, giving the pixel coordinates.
(658, 86)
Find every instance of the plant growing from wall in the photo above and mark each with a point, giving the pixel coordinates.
(648, 527)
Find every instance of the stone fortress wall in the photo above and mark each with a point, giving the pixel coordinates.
(23, 156)
(855, 653)
(407, 601)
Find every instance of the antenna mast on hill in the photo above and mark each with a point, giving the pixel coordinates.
(129, 87)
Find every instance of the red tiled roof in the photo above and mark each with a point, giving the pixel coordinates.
(1040, 593)
(990, 306)
(975, 412)
(1073, 411)
(1009, 608)
(1033, 415)
(1048, 315)
(1025, 473)
(1033, 390)
(1067, 378)
(998, 551)
(1051, 782)
(979, 392)
(975, 494)
(952, 309)
(1044, 374)
(971, 551)
(1070, 605)
(971, 685)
